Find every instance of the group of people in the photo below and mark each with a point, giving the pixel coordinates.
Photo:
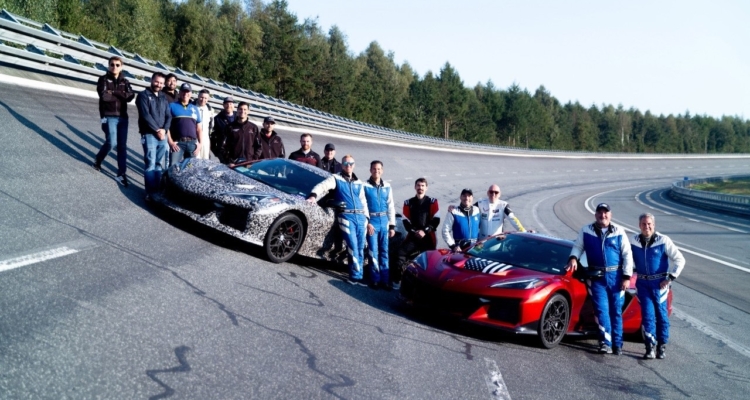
(170, 123)
(653, 256)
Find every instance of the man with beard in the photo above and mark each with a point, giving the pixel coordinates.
(170, 88)
(222, 120)
(305, 153)
(269, 144)
(421, 220)
(241, 137)
(154, 119)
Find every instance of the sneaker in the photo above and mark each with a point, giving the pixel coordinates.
(660, 351)
(123, 179)
(356, 282)
(617, 351)
(96, 166)
(604, 349)
(396, 285)
(650, 354)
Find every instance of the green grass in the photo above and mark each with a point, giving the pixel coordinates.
(734, 186)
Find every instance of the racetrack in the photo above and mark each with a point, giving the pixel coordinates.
(109, 299)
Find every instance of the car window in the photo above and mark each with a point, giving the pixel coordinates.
(525, 251)
(283, 175)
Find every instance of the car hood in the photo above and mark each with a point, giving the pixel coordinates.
(211, 180)
(451, 272)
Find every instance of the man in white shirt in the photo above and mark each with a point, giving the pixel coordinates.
(207, 123)
(493, 212)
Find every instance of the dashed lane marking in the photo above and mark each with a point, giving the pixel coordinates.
(495, 382)
(29, 259)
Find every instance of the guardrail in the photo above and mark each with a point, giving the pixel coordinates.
(737, 204)
(40, 47)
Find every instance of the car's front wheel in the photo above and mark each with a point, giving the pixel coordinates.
(284, 238)
(554, 321)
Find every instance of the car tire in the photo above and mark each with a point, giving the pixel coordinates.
(284, 238)
(553, 324)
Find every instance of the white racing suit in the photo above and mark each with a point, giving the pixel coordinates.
(493, 216)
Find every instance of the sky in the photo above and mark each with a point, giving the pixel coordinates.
(665, 56)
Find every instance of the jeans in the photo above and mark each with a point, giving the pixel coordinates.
(186, 150)
(154, 151)
(115, 136)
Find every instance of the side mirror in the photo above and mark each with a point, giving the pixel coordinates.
(465, 244)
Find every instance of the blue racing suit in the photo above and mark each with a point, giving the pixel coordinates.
(607, 249)
(383, 219)
(353, 219)
(461, 224)
(652, 257)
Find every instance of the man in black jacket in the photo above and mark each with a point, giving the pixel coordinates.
(241, 137)
(154, 119)
(268, 144)
(222, 120)
(329, 162)
(114, 94)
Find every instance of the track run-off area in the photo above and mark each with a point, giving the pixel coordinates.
(104, 297)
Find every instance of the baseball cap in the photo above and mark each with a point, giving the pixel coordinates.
(329, 146)
(228, 99)
(604, 206)
(186, 87)
(467, 191)
(269, 120)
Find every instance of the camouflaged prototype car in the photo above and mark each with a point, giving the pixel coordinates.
(262, 202)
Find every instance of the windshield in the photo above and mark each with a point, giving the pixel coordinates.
(524, 251)
(283, 175)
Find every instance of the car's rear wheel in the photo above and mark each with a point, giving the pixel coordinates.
(284, 238)
(554, 321)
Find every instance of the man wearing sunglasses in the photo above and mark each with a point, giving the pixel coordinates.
(493, 213)
(114, 95)
(353, 219)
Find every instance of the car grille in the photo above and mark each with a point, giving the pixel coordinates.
(505, 310)
(459, 304)
(189, 201)
(234, 217)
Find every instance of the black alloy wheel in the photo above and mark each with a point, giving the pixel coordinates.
(284, 238)
(554, 321)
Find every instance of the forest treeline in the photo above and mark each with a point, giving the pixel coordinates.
(264, 47)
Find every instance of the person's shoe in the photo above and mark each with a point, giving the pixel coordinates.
(396, 285)
(96, 166)
(356, 282)
(617, 351)
(604, 349)
(650, 354)
(149, 198)
(373, 286)
(385, 286)
(660, 351)
(123, 179)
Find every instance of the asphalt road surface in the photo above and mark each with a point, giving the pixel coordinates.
(110, 299)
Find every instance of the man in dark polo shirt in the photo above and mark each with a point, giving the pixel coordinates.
(241, 137)
(185, 130)
(305, 154)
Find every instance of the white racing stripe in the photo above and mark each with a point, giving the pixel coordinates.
(34, 258)
(495, 382)
(697, 324)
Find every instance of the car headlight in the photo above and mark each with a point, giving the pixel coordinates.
(261, 198)
(420, 261)
(530, 283)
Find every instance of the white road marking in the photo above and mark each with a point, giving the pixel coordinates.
(34, 258)
(495, 382)
(680, 246)
(683, 213)
(697, 324)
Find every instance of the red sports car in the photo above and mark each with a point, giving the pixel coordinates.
(515, 282)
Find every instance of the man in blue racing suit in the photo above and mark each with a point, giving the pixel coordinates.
(607, 249)
(353, 218)
(652, 254)
(382, 224)
(462, 222)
